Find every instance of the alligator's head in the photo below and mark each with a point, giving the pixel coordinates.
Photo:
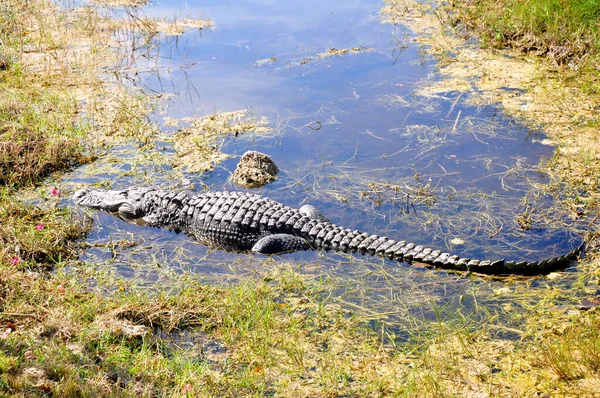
(127, 203)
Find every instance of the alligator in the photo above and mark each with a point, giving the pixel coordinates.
(243, 221)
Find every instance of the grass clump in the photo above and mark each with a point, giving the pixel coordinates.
(280, 334)
(38, 129)
(253, 338)
(31, 235)
(198, 146)
(38, 134)
(564, 31)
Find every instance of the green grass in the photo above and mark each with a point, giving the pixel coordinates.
(38, 135)
(283, 335)
(564, 30)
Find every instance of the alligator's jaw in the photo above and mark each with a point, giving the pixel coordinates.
(126, 202)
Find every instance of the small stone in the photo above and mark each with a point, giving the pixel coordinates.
(3, 62)
(457, 241)
(254, 170)
(589, 303)
(554, 275)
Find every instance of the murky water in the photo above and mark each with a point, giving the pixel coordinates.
(351, 137)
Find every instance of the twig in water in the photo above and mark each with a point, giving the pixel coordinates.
(456, 121)
(314, 125)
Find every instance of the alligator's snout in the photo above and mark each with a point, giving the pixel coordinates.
(126, 202)
(100, 199)
(80, 195)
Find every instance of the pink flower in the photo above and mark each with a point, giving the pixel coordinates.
(39, 227)
(54, 191)
(5, 334)
(15, 260)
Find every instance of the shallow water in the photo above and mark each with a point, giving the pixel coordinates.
(459, 172)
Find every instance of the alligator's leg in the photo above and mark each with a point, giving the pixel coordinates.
(280, 243)
(312, 212)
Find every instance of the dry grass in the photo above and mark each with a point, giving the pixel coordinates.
(122, 3)
(175, 27)
(281, 334)
(198, 146)
(38, 135)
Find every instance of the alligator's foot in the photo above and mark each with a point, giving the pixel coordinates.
(280, 243)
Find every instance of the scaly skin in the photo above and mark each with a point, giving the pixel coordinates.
(241, 221)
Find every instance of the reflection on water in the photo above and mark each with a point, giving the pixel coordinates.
(352, 138)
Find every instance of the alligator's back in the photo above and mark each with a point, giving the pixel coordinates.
(234, 220)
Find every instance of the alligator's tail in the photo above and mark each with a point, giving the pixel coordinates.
(334, 238)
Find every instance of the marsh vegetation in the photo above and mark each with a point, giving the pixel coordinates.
(125, 312)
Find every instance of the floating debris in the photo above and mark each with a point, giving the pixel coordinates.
(343, 51)
(263, 62)
(175, 27)
(198, 146)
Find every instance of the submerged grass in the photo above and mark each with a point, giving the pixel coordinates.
(559, 97)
